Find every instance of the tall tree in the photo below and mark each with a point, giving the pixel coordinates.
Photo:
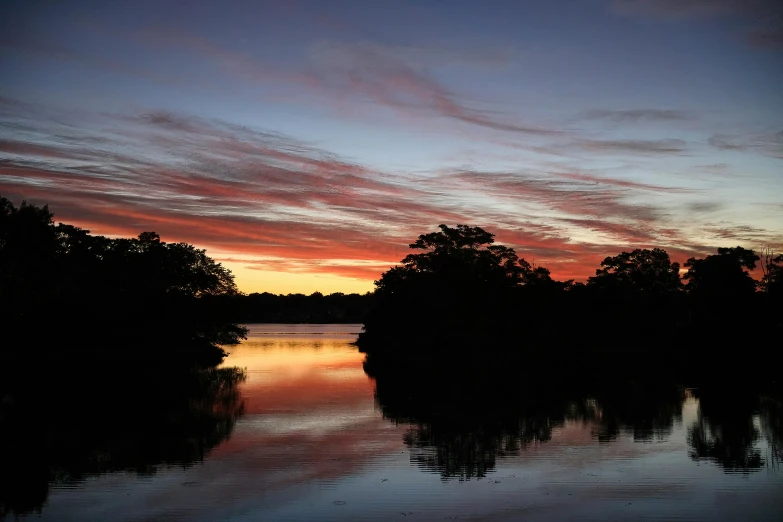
(722, 275)
(465, 254)
(644, 271)
(458, 286)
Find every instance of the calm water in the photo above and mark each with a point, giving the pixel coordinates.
(311, 441)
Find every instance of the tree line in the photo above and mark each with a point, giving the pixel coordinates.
(461, 299)
(79, 295)
(299, 308)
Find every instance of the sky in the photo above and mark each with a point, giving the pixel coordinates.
(305, 145)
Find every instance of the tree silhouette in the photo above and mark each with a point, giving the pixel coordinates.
(642, 271)
(463, 253)
(150, 299)
(772, 270)
(722, 275)
(460, 285)
(460, 295)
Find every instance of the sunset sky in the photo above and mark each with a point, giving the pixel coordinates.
(306, 144)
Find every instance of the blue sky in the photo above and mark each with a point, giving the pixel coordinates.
(305, 144)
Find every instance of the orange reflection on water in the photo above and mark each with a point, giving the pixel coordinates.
(309, 408)
(301, 374)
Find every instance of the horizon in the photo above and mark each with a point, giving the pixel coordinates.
(305, 147)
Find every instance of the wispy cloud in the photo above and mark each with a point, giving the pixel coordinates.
(628, 184)
(751, 237)
(400, 78)
(769, 143)
(219, 184)
(704, 207)
(396, 77)
(569, 198)
(283, 204)
(661, 146)
(373, 73)
(638, 115)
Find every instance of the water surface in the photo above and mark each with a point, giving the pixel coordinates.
(310, 439)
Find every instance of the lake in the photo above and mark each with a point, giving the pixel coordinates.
(306, 437)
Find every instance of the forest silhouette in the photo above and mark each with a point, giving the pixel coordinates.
(73, 297)
(464, 301)
(460, 299)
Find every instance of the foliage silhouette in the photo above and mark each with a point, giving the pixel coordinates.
(458, 289)
(641, 271)
(466, 301)
(724, 275)
(772, 268)
(156, 301)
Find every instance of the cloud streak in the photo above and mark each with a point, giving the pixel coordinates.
(768, 144)
(638, 115)
(662, 146)
(373, 73)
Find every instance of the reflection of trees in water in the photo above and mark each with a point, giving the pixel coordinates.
(463, 455)
(459, 428)
(465, 451)
(70, 428)
(648, 413)
(771, 422)
(729, 428)
(462, 435)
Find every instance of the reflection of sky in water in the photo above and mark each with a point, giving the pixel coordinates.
(312, 446)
